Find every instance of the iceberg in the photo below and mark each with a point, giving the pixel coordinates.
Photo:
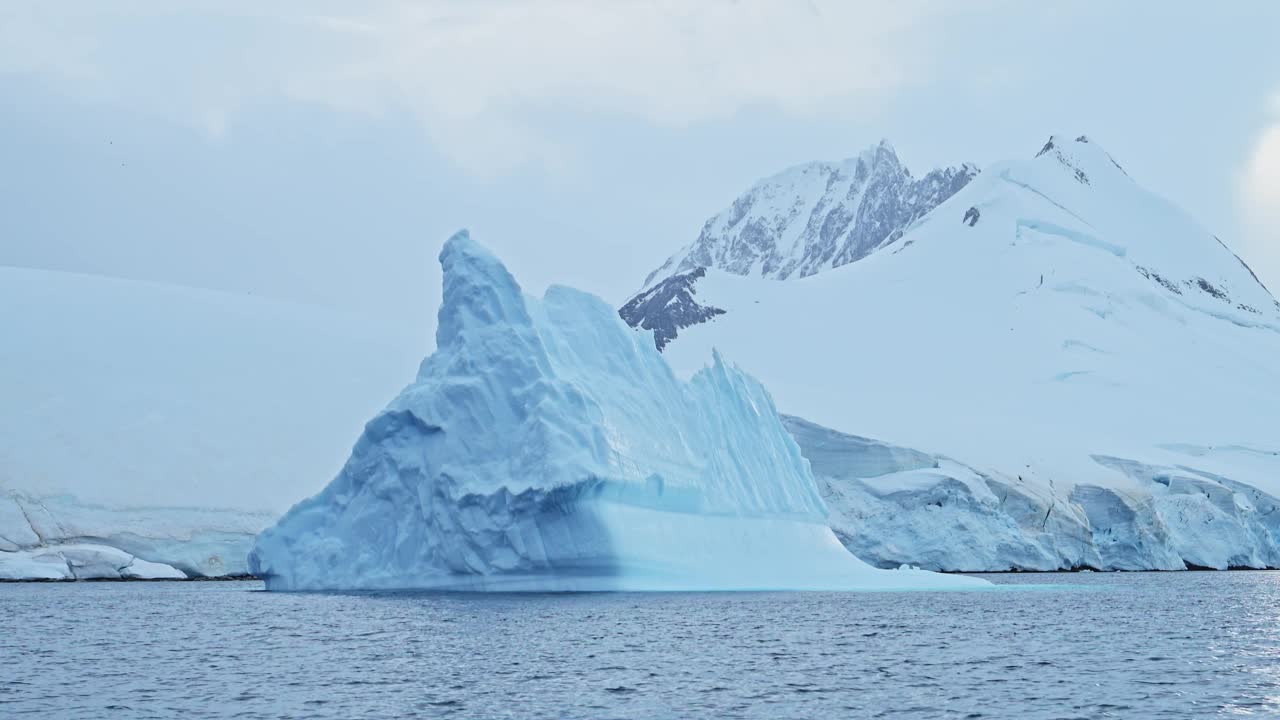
(545, 446)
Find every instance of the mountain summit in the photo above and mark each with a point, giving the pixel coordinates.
(1062, 370)
(816, 216)
(799, 222)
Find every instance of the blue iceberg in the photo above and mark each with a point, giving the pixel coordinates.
(545, 445)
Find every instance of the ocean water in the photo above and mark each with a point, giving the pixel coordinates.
(1151, 645)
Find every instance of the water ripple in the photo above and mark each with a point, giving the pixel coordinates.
(1186, 645)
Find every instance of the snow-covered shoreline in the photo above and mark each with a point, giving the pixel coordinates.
(62, 538)
(891, 505)
(224, 578)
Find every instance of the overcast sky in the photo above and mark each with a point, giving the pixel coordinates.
(322, 151)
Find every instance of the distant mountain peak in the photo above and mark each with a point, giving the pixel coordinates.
(804, 220)
(1079, 156)
(1101, 365)
(817, 216)
(884, 148)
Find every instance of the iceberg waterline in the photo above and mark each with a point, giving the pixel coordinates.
(544, 446)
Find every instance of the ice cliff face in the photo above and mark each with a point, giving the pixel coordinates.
(61, 538)
(546, 446)
(891, 505)
(1085, 375)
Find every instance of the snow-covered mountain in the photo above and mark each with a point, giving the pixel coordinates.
(1061, 369)
(150, 423)
(817, 216)
(544, 446)
(804, 220)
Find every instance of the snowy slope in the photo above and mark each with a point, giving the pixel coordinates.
(816, 216)
(804, 220)
(55, 531)
(123, 400)
(545, 446)
(1064, 334)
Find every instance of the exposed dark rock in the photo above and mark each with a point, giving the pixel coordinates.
(1165, 282)
(971, 216)
(1069, 162)
(863, 204)
(668, 307)
(785, 227)
(1209, 288)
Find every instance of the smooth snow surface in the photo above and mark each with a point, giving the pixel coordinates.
(1089, 376)
(127, 406)
(545, 446)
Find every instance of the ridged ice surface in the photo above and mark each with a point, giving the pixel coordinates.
(546, 446)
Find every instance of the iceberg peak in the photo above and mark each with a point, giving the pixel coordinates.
(478, 291)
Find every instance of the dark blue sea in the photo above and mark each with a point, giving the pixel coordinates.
(1143, 645)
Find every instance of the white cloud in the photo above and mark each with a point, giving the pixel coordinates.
(1263, 179)
(478, 74)
(1261, 201)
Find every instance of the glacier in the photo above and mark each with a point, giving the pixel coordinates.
(546, 447)
(134, 418)
(61, 537)
(1052, 369)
